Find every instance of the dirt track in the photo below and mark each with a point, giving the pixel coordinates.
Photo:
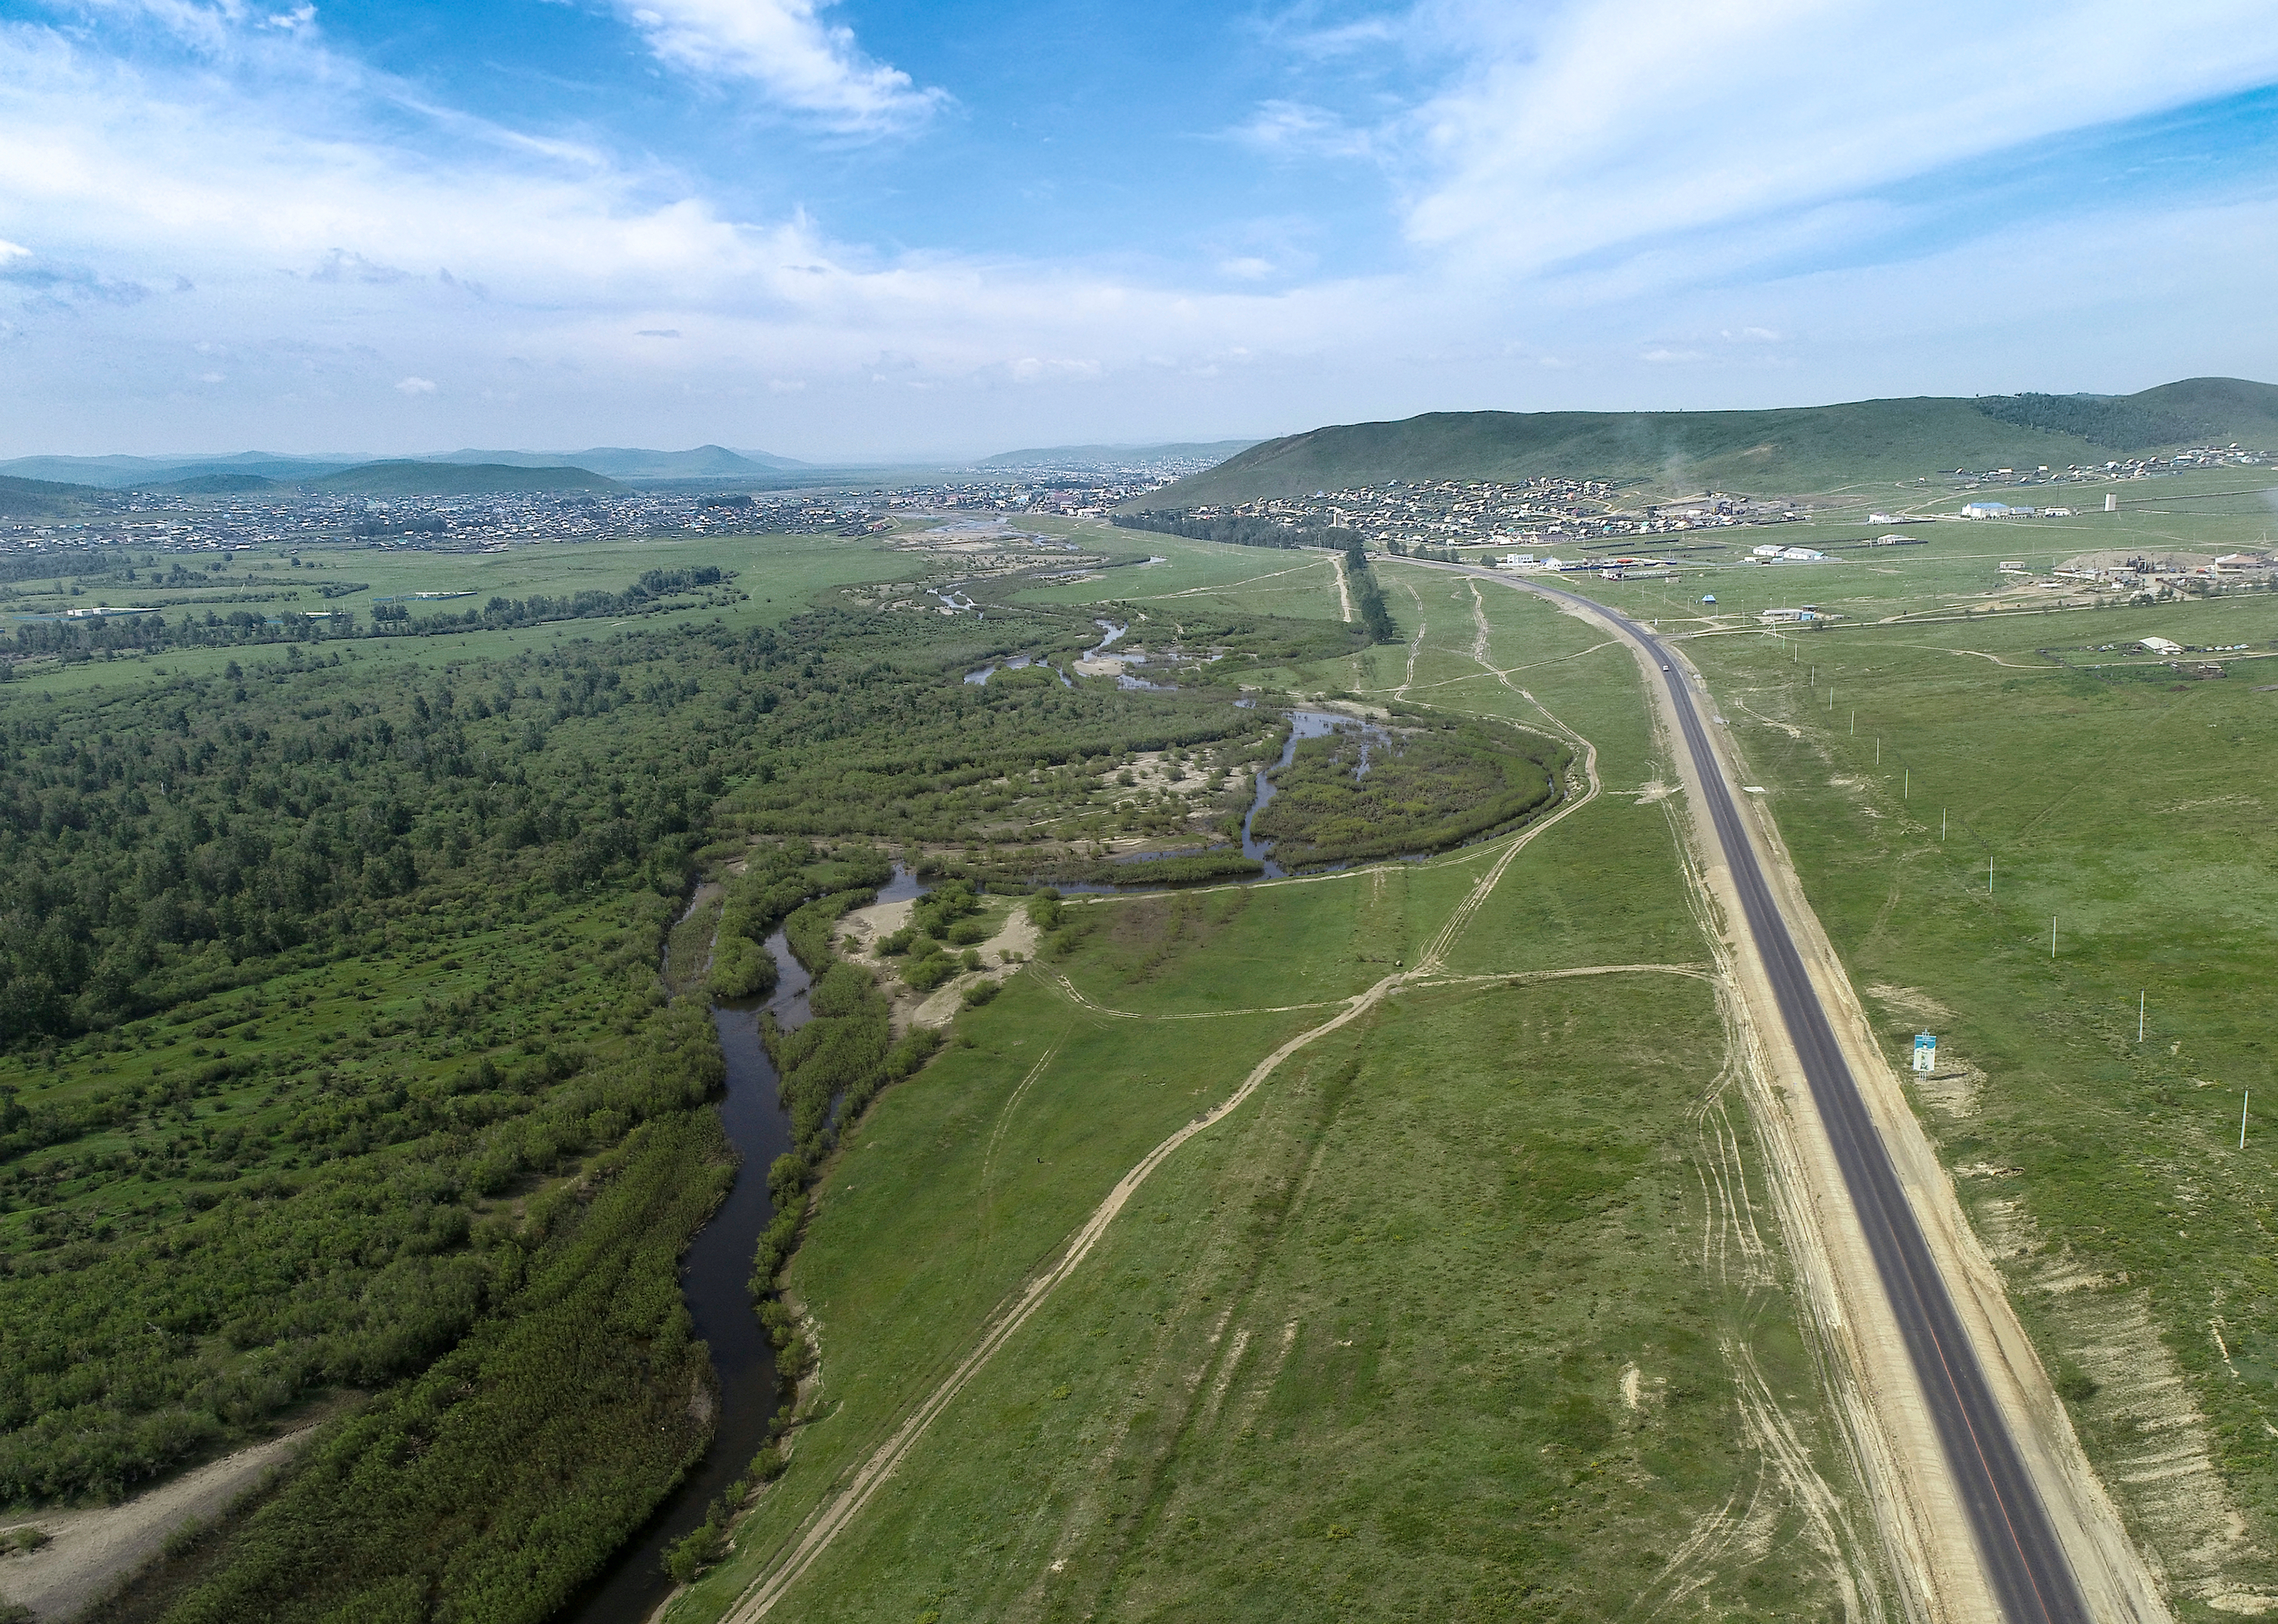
(841, 1508)
(90, 1551)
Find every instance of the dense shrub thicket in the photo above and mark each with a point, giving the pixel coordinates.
(492, 1484)
(277, 868)
(118, 1360)
(1423, 786)
(1368, 597)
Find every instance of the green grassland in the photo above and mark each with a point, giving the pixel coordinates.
(774, 577)
(1356, 1351)
(1956, 571)
(1793, 450)
(2127, 809)
(1357, 1356)
(1207, 577)
(1454, 1318)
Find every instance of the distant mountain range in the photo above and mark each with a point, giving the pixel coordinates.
(121, 473)
(1791, 450)
(222, 474)
(459, 479)
(1085, 458)
(624, 462)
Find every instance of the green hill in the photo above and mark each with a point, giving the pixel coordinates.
(32, 500)
(458, 479)
(1790, 450)
(217, 485)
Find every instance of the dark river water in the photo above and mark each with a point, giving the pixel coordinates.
(715, 1280)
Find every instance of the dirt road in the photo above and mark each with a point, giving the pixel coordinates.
(90, 1551)
(817, 1535)
(1986, 1504)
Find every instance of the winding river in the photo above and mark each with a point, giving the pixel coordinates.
(716, 1277)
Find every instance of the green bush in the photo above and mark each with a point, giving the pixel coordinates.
(981, 993)
(740, 969)
(924, 974)
(696, 1551)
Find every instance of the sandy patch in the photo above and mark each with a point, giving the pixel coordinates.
(2164, 1473)
(1001, 955)
(1908, 1001)
(88, 1552)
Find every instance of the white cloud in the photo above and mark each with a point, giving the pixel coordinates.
(786, 49)
(1292, 129)
(1593, 127)
(303, 235)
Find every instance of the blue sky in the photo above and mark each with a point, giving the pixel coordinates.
(868, 229)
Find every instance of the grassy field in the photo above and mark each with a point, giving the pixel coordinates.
(775, 578)
(2129, 812)
(1357, 1352)
(1207, 575)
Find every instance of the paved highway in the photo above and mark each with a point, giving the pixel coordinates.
(2026, 1565)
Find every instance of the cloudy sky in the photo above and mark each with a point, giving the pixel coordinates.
(880, 228)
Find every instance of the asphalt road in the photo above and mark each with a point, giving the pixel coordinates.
(2024, 1563)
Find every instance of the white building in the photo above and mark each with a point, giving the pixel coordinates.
(2160, 646)
(1801, 555)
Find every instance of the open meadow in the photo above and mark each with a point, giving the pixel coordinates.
(1469, 1310)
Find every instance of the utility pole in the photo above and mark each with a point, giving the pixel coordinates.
(2244, 1095)
(1941, 823)
(1989, 876)
(1878, 750)
(2053, 935)
(2139, 1018)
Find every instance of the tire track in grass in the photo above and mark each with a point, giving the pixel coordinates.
(825, 1527)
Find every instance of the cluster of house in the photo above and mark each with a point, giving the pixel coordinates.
(2169, 575)
(161, 524)
(1403, 514)
(2130, 468)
